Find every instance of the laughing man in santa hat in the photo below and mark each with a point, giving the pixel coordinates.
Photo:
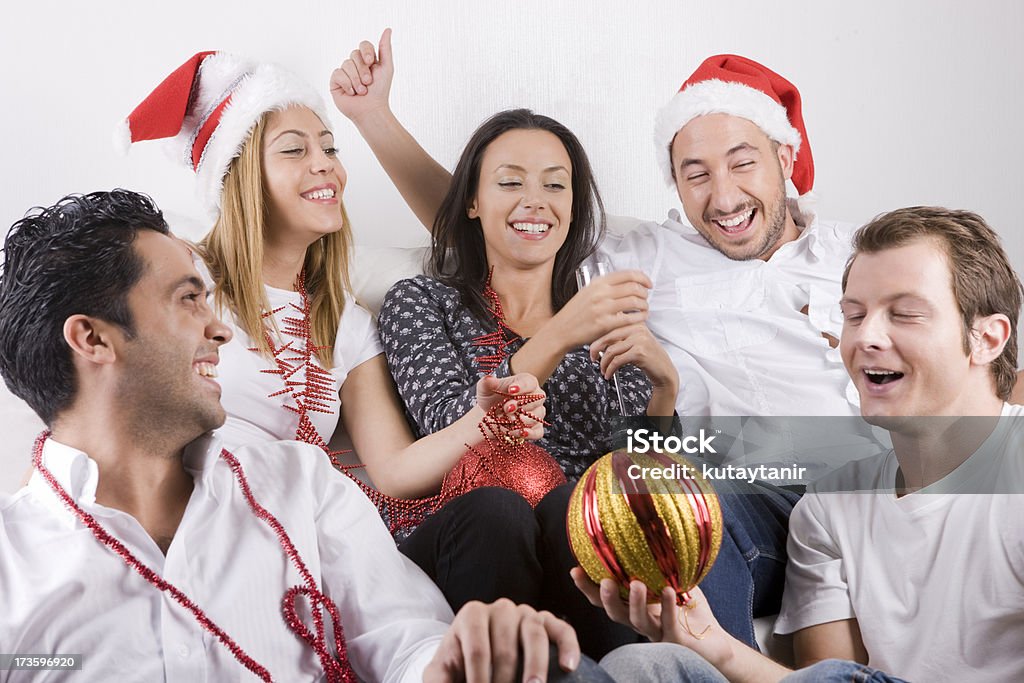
(746, 301)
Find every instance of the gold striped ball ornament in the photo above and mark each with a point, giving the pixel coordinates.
(664, 532)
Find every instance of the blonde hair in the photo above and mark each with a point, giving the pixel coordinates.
(233, 252)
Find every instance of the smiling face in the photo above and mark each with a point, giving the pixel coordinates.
(731, 180)
(168, 366)
(302, 177)
(903, 337)
(524, 198)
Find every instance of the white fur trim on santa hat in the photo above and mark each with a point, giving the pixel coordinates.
(255, 89)
(715, 96)
(123, 137)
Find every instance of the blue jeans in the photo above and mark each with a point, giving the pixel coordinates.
(747, 578)
(840, 671)
(670, 663)
(659, 663)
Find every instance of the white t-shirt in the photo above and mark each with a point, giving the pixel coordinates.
(64, 592)
(934, 578)
(735, 330)
(254, 413)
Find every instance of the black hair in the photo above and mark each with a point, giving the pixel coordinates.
(75, 257)
(458, 257)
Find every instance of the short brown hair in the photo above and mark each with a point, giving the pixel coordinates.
(984, 282)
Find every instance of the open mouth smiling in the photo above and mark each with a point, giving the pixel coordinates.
(736, 224)
(881, 376)
(322, 193)
(529, 228)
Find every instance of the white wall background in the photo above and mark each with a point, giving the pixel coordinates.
(915, 102)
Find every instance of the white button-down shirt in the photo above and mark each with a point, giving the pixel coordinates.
(62, 592)
(735, 330)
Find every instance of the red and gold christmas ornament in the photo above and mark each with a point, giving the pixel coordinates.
(664, 532)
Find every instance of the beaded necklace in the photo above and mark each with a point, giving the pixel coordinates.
(337, 669)
(503, 335)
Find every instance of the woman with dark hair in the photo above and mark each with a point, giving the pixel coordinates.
(520, 216)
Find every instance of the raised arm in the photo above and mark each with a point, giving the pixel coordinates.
(361, 88)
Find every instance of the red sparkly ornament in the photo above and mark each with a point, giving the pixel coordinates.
(505, 460)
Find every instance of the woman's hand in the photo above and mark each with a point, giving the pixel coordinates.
(362, 84)
(634, 344)
(491, 391)
(608, 303)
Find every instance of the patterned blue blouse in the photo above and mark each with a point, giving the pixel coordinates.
(428, 334)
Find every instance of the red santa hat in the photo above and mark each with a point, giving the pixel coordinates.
(729, 84)
(206, 109)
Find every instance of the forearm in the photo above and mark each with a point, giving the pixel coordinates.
(541, 354)
(741, 663)
(418, 469)
(420, 180)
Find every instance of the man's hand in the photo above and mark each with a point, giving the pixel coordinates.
(362, 84)
(491, 390)
(484, 642)
(636, 345)
(692, 625)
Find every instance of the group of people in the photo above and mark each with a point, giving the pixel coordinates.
(192, 394)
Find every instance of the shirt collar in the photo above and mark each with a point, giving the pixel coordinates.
(78, 474)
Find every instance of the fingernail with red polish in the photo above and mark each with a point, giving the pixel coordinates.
(510, 407)
(524, 432)
(514, 389)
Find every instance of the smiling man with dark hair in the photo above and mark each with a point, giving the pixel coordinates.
(142, 545)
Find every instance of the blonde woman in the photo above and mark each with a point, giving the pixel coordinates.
(306, 360)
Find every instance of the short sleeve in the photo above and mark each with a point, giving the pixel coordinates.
(816, 587)
(357, 340)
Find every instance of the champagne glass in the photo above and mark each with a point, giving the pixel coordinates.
(596, 265)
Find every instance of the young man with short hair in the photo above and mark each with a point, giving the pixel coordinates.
(912, 561)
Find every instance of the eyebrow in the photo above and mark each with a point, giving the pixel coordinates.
(300, 133)
(915, 298)
(514, 167)
(188, 281)
(742, 147)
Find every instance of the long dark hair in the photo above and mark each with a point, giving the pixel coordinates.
(458, 257)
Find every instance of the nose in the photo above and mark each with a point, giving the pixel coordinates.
(322, 162)
(217, 331)
(872, 334)
(533, 197)
(726, 196)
